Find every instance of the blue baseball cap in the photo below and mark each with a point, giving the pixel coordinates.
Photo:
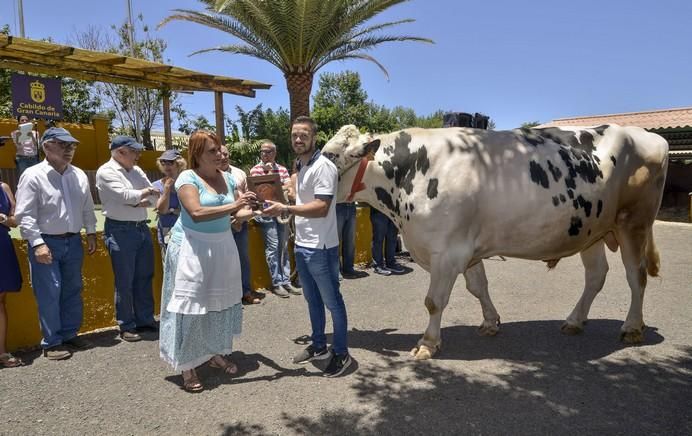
(57, 134)
(170, 155)
(126, 141)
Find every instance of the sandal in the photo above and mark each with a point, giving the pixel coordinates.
(249, 299)
(191, 382)
(9, 361)
(223, 364)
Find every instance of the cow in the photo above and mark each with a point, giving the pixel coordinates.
(461, 195)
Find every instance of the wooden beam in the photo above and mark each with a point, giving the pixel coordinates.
(218, 105)
(167, 120)
(194, 77)
(82, 75)
(115, 60)
(71, 64)
(158, 69)
(59, 52)
(149, 82)
(5, 40)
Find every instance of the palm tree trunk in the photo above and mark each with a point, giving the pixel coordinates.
(299, 87)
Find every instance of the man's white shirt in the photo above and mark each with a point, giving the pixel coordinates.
(319, 177)
(120, 191)
(52, 203)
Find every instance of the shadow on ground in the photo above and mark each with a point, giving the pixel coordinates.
(535, 381)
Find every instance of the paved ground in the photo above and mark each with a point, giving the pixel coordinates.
(529, 379)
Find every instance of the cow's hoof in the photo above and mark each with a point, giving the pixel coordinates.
(488, 328)
(632, 336)
(571, 329)
(422, 352)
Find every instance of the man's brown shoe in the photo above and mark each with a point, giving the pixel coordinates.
(59, 352)
(130, 336)
(78, 343)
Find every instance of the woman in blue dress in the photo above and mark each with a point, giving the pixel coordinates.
(10, 276)
(201, 307)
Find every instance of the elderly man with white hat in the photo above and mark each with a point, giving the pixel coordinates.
(126, 193)
(54, 204)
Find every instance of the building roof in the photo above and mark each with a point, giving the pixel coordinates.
(42, 57)
(659, 119)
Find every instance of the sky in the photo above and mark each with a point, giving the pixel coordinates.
(516, 61)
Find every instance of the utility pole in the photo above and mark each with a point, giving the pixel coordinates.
(131, 29)
(20, 11)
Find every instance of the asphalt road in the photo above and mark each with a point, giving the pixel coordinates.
(529, 379)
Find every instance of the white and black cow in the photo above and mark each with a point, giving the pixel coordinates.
(460, 195)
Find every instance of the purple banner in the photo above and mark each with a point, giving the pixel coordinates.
(36, 97)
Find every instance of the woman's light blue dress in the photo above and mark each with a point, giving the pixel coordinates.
(187, 341)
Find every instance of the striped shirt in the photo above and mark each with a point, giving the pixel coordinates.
(259, 170)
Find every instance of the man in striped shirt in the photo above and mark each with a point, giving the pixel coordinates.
(275, 234)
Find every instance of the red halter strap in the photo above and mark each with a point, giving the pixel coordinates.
(358, 184)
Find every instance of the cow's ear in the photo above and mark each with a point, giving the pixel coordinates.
(370, 148)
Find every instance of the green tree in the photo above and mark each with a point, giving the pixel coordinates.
(188, 125)
(298, 36)
(529, 124)
(120, 99)
(79, 102)
(5, 85)
(339, 100)
(255, 126)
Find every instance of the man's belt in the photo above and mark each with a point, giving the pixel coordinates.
(129, 223)
(61, 235)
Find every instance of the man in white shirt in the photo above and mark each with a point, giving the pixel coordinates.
(54, 203)
(125, 193)
(317, 247)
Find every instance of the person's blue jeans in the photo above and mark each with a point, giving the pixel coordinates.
(346, 224)
(318, 269)
(58, 289)
(132, 257)
(383, 231)
(241, 241)
(24, 162)
(275, 249)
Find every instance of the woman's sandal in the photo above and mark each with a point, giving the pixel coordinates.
(191, 382)
(223, 364)
(9, 361)
(249, 299)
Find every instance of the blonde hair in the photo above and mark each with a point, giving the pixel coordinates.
(180, 163)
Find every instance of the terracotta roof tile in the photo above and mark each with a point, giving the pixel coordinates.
(668, 118)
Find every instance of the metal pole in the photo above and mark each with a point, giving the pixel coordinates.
(131, 29)
(20, 11)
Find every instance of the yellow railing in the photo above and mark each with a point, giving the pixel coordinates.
(98, 294)
(93, 148)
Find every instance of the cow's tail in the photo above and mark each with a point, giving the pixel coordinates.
(653, 259)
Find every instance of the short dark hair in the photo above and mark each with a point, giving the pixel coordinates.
(23, 115)
(306, 120)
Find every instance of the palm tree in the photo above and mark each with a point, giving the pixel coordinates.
(298, 36)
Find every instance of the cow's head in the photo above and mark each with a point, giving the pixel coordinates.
(345, 150)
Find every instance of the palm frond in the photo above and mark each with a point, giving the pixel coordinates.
(344, 57)
(378, 27)
(244, 50)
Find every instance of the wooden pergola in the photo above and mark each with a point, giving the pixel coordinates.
(42, 57)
